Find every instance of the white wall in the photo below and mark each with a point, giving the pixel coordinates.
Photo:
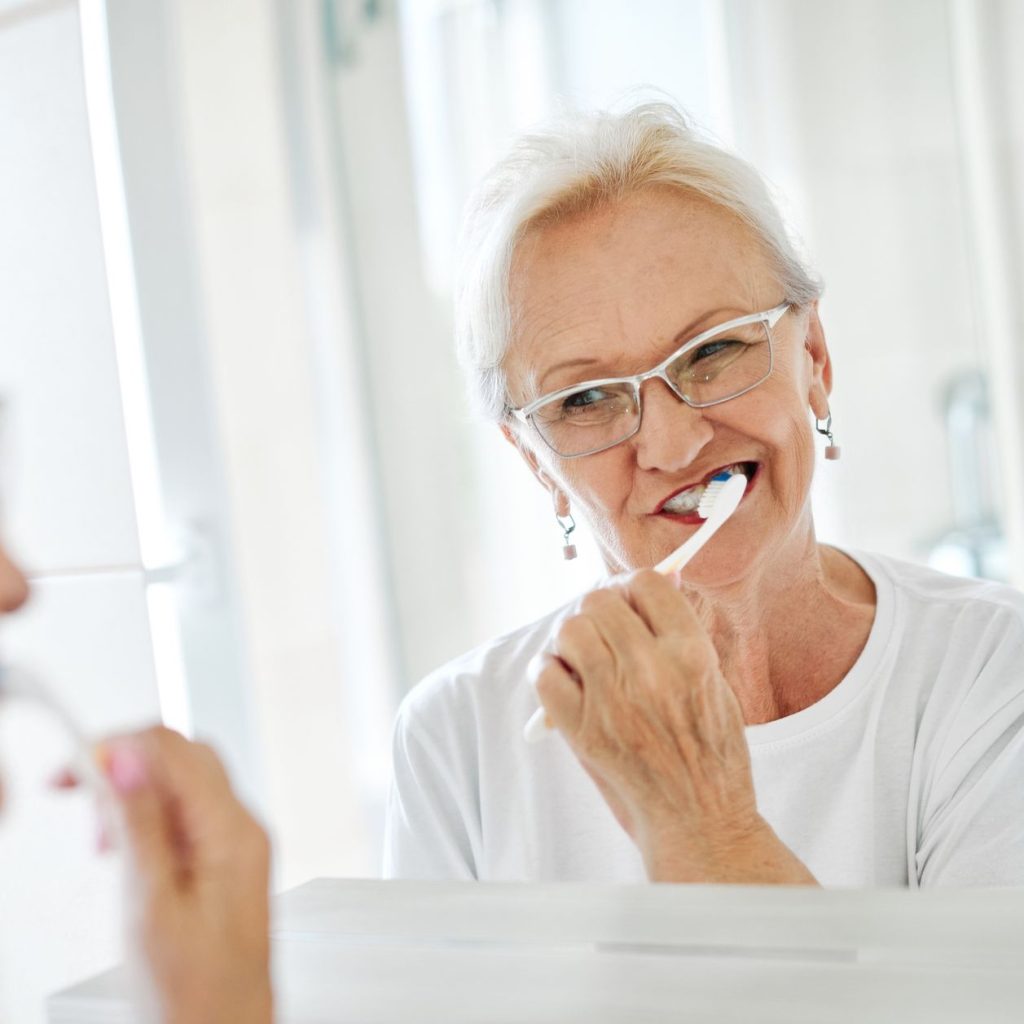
(852, 109)
(69, 504)
(250, 257)
(231, 285)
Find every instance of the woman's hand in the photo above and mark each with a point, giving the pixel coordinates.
(635, 687)
(198, 867)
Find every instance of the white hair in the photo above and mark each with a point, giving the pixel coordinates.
(576, 164)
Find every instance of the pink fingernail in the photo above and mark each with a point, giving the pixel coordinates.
(126, 769)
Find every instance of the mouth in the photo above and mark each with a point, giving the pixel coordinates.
(682, 504)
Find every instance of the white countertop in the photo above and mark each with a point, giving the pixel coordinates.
(361, 952)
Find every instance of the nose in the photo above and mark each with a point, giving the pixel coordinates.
(13, 585)
(671, 434)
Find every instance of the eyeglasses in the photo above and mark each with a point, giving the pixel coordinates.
(721, 363)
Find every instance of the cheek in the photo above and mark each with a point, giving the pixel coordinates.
(791, 455)
(601, 484)
(803, 450)
(777, 421)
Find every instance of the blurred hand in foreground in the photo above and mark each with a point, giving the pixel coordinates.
(198, 878)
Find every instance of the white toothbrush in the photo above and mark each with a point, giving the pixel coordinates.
(18, 682)
(720, 499)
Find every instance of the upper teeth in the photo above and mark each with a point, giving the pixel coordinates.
(688, 500)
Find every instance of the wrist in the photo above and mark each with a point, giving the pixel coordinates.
(257, 1005)
(253, 1006)
(747, 854)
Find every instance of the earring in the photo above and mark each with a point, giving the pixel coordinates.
(832, 450)
(567, 524)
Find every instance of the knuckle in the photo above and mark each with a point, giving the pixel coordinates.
(545, 678)
(208, 761)
(604, 748)
(545, 669)
(648, 581)
(152, 741)
(206, 754)
(161, 742)
(636, 746)
(156, 735)
(205, 751)
(598, 601)
(688, 652)
(258, 838)
(538, 666)
(549, 680)
(573, 630)
(163, 735)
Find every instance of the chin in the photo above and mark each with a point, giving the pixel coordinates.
(719, 572)
(723, 562)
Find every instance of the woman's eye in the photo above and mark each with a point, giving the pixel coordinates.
(713, 348)
(585, 399)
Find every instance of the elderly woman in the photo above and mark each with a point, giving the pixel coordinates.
(636, 320)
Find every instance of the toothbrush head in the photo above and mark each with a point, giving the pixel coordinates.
(721, 498)
(713, 491)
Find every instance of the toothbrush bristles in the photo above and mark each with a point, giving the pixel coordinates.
(711, 492)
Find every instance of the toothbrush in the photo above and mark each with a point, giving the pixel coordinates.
(720, 499)
(18, 682)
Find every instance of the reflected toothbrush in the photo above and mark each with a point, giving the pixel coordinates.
(18, 682)
(720, 499)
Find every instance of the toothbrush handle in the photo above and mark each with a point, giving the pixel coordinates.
(682, 554)
(537, 727)
(17, 681)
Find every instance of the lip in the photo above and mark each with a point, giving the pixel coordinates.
(659, 510)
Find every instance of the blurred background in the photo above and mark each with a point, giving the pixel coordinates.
(237, 458)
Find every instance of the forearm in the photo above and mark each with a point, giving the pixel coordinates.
(753, 857)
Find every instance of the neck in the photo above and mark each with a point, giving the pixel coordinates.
(788, 632)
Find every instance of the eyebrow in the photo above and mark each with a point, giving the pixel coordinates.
(677, 341)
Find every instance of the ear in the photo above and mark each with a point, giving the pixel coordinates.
(559, 498)
(820, 383)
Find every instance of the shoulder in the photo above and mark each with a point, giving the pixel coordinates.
(487, 681)
(962, 639)
(950, 649)
(960, 604)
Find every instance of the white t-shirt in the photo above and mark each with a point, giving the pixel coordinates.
(910, 772)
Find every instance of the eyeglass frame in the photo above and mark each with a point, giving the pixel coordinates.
(769, 318)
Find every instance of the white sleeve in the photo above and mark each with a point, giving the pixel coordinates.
(972, 829)
(432, 824)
